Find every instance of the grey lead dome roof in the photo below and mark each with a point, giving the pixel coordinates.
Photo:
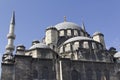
(78, 38)
(67, 25)
(97, 33)
(39, 45)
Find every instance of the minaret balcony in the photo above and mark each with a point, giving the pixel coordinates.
(11, 35)
(10, 47)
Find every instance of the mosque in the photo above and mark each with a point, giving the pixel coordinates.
(67, 52)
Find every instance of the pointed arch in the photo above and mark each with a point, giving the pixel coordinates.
(74, 75)
(89, 74)
(118, 75)
(45, 73)
(106, 74)
(98, 74)
(35, 74)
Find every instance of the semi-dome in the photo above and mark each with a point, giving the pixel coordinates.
(117, 55)
(78, 38)
(39, 45)
(67, 25)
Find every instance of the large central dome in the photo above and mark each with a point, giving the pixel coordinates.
(67, 25)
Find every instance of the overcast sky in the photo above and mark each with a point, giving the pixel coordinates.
(33, 16)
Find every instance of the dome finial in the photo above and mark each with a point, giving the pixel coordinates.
(65, 19)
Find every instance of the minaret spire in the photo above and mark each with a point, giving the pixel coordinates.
(13, 18)
(8, 56)
(83, 26)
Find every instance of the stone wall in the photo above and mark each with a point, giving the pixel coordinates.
(23, 67)
(86, 70)
(44, 68)
(7, 72)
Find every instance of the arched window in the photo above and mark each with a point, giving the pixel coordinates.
(76, 45)
(69, 32)
(94, 46)
(45, 73)
(61, 49)
(35, 74)
(62, 33)
(74, 75)
(75, 33)
(67, 47)
(85, 45)
(80, 55)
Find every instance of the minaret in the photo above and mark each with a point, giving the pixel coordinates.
(11, 36)
(7, 57)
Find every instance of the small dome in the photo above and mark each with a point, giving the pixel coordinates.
(39, 45)
(117, 55)
(35, 42)
(98, 33)
(67, 25)
(21, 47)
(51, 27)
(78, 38)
